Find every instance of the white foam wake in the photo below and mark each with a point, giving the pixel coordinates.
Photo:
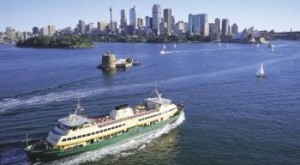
(11, 103)
(137, 143)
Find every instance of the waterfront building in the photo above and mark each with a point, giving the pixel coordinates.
(204, 29)
(194, 24)
(163, 28)
(133, 17)
(217, 25)
(156, 16)
(179, 28)
(25, 36)
(147, 22)
(211, 29)
(234, 29)
(11, 34)
(168, 20)
(81, 26)
(51, 30)
(89, 28)
(101, 27)
(225, 24)
(44, 31)
(35, 30)
(140, 22)
(123, 21)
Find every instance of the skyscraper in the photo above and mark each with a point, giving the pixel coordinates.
(217, 25)
(133, 18)
(101, 26)
(168, 20)
(35, 30)
(81, 26)
(11, 34)
(156, 18)
(225, 24)
(234, 29)
(204, 28)
(123, 22)
(194, 24)
(51, 30)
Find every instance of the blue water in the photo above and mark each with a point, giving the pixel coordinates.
(231, 116)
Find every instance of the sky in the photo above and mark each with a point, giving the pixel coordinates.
(22, 15)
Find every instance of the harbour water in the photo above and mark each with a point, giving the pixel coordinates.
(231, 117)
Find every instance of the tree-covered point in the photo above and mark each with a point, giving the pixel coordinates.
(71, 42)
(148, 39)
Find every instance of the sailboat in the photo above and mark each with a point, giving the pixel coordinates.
(163, 50)
(257, 45)
(260, 72)
(174, 45)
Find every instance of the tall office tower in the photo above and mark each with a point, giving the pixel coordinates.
(204, 29)
(101, 26)
(51, 30)
(123, 22)
(179, 28)
(168, 20)
(211, 29)
(140, 22)
(81, 27)
(35, 30)
(133, 18)
(44, 31)
(89, 28)
(234, 29)
(217, 25)
(147, 22)
(190, 24)
(225, 24)
(194, 24)
(11, 34)
(156, 18)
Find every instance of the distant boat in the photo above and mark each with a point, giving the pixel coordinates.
(260, 72)
(271, 46)
(227, 46)
(257, 45)
(219, 44)
(174, 45)
(162, 52)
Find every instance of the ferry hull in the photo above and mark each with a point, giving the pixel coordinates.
(53, 154)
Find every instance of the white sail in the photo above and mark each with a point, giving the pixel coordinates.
(164, 46)
(260, 72)
(174, 45)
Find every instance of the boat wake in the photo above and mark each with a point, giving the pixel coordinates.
(119, 150)
(13, 103)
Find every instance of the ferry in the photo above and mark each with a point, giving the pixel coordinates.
(76, 133)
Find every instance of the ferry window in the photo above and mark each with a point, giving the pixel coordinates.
(88, 134)
(64, 140)
(83, 135)
(73, 137)
(78, 137)
(109, 129)
(69, 139)
(97, 132)
(93, 133)
(105, 130)
(101, 131)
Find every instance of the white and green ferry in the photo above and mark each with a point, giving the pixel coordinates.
(76, 133)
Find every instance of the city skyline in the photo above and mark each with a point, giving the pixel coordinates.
(279, 15)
